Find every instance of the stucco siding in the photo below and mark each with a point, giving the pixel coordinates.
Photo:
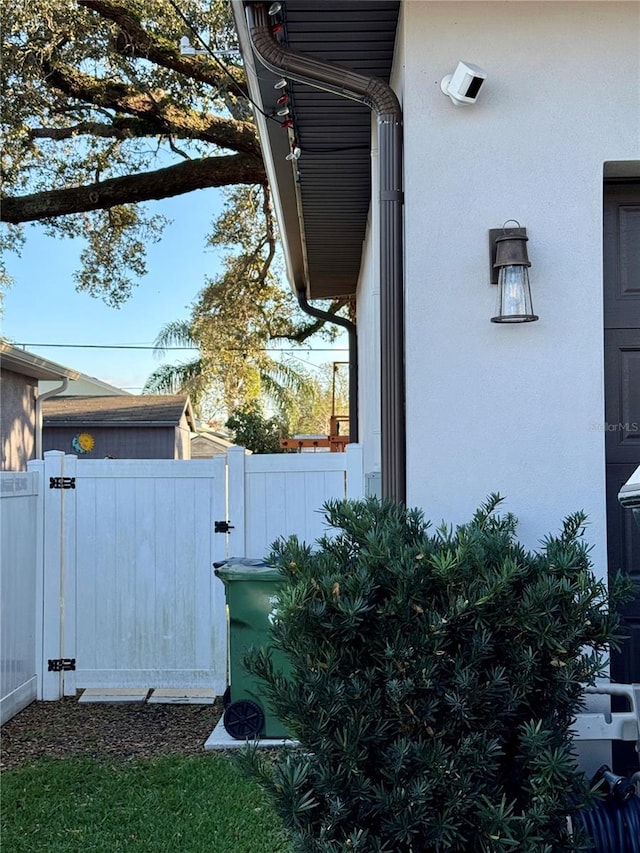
(515, 409)
(17, 420)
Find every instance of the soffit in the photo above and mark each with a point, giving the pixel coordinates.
(324, 197)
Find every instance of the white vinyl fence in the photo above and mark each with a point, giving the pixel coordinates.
(282, 494)
(21, 555)
(107, 576)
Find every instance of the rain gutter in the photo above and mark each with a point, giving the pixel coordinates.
(382, 100)
(39, 401)
(353, 357)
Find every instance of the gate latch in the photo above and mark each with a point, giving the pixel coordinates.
(222, 526)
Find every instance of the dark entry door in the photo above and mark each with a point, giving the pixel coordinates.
(622, 406)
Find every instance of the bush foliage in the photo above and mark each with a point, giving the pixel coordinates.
(252, 430)
(433, 680)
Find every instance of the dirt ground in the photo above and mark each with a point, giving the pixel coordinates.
(131, 730)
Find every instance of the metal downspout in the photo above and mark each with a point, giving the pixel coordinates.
(39, 401)
(353, 357)
(380, 98)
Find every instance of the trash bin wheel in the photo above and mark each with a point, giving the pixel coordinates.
(243, 719)
(226, 697)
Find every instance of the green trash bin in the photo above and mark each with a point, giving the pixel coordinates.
(250, 589)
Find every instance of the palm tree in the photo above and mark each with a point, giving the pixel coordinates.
(182, 377)
(231, 379)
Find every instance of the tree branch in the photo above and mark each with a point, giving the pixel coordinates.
(306, 330)
(121, 128)
(154, 107)
(143, 44)
(131, 189)
(270, 236)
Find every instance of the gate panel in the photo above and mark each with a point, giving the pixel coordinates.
(149, 611)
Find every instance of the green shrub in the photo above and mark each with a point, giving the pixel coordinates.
(252, 430)
(434, 678)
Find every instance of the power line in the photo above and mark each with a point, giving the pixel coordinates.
(175, 349)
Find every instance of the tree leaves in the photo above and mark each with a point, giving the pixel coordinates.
(96, 97)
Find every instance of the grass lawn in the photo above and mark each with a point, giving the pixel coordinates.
(189, 804)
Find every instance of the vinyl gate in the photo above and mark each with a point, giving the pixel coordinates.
(128, 595)
(129, 592)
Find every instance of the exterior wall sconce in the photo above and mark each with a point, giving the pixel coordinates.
(510, 271)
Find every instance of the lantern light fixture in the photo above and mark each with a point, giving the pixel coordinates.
(510, 271)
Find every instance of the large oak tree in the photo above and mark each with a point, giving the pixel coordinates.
(103, 113)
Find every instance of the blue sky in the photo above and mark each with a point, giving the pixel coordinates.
(43, 306)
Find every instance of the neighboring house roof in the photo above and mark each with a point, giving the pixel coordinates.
(85, 386)
(322, 199)
(126, 410)
(28, 364)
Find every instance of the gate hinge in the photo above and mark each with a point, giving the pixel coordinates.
(62, 665)
(62, 482)
(222, 526)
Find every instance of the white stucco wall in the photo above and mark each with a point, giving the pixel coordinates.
(514, 409)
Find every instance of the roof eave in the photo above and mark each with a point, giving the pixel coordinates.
(275, 145)
(28, 364)
(323, 200)
(189, 415)
(94, 424)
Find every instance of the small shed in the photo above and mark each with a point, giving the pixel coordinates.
(208, 443)
(122, 427)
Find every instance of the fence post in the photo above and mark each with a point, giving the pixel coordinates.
(36, 466)
(236, 457)
(219, 552)
(354, 470)
(58, 608)
(220, 505)
(69, 574)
